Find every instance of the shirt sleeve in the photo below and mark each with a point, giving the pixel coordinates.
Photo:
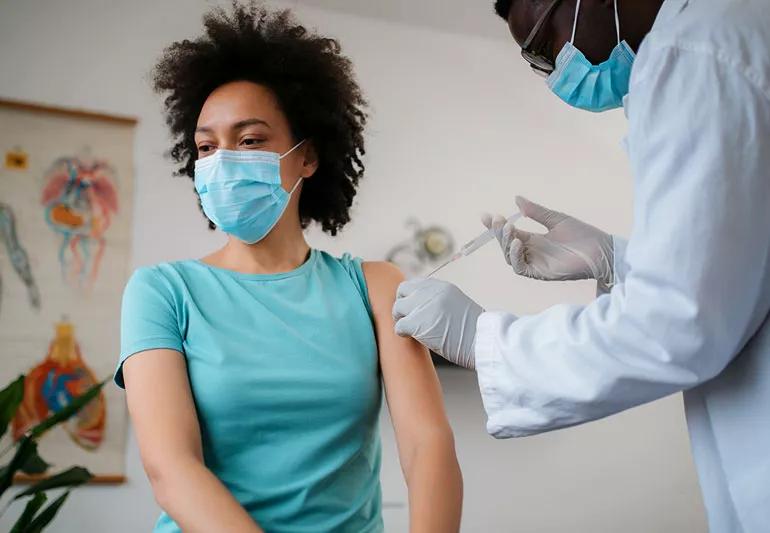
(355, 269)
(690, 289)
(148, 319)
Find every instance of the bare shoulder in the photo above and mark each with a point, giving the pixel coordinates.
(382, 271)
(382, 280)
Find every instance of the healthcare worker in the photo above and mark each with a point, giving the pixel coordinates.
(686, 299)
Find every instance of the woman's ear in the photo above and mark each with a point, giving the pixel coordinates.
(310, 163)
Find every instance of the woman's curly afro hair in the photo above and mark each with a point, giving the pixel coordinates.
(313, 82)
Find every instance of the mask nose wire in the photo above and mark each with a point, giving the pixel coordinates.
(577, 12)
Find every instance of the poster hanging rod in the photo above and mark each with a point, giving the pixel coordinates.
(67, 111)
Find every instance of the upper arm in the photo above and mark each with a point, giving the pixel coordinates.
(153, 371)
(412, 388)
(162, 410)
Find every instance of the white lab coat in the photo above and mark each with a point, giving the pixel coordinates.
(689, 311)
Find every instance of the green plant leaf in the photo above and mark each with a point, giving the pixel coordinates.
(68, 411)
(33, 506)
(77, 475)
(34, 463)
(10, 399)
(29, 463)
(46, 515)
(24, 449)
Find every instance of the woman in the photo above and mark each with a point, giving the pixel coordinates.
(253, 375)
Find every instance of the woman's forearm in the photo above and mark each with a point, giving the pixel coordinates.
(197, 501)
(435, 487)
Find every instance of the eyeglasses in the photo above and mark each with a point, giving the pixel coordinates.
(540, 64)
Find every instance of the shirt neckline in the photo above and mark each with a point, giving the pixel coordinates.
(299, 271)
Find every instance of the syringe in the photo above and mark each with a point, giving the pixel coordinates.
(474, 244)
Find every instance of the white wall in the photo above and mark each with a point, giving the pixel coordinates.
(459, 126)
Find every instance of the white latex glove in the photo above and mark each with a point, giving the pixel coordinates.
(570, 250)
(440, 316)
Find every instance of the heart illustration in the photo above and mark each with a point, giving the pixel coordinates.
(52, 384)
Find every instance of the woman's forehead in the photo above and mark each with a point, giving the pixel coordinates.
(240, 101)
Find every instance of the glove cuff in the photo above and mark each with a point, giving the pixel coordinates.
(613, 251)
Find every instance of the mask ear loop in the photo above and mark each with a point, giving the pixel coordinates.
(292, 149)
(299, 180)
(577, 12)
(574, 23)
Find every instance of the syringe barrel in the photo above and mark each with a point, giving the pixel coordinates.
(471, 246)
(477, 243)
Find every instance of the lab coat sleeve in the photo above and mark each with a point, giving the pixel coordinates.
(688, 293)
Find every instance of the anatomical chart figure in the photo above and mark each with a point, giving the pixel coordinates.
(53, 383)
(79, 199)
(17, 254)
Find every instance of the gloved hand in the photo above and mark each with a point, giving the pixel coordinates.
(570, 250)
(440, 316)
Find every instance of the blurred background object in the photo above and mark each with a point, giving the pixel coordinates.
(426, 248)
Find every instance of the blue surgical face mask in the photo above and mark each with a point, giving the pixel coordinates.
(592, 87)
(241, 191)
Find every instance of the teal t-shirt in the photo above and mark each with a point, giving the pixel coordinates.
(285, 376)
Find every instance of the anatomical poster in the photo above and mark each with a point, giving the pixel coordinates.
(66, 182)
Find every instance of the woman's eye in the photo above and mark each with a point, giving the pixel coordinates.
(205, 148)
(251, 142)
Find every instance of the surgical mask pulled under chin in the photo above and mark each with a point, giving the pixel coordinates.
(241, 191)
(584, 85)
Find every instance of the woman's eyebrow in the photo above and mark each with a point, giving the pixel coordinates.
(249, 122)
(237, 126)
